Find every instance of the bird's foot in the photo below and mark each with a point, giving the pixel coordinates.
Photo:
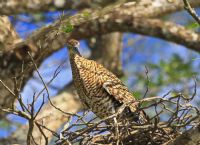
(117, 136)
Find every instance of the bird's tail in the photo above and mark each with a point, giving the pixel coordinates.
(143, 117)
(140, 117)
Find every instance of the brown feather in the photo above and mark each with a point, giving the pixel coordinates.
(98, 88)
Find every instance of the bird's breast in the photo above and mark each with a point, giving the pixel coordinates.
(88, 80)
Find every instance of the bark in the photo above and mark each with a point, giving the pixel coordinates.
(49, 117)
(147, 7)
(49, 39)
(8, 38)
(190, 137)
(11, 7)
(8, 35)
(151, 8)
(66, 100)
(106, 49)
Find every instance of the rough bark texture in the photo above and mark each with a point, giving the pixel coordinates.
(8, 38)
(106, 49)
(66, 100)
(129, 17)
(49, 117)
(11, 7)
(190, 137)
(49, 39)
(8, 35)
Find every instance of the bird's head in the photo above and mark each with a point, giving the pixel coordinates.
(73, 46)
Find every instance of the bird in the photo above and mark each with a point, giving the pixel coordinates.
(99, 89)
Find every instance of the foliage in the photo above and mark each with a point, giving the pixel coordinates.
(193, 25)
(4, 124)
(173, 73)
(68, 27)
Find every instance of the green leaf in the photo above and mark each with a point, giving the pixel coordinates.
(124, 78)
(193, 25)
(196, 58)
(137, 94)
(4, 124)
(68, 28)
(86, 14)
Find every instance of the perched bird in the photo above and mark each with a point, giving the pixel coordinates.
(99, 89)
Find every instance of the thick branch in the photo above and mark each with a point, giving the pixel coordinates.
(151, 8)
(8, 38)
(50, 38)
(50, 117)
(122, 18)
(8, 35)
(111, 22)
(190, 137)
(11, 7)
(54, 119)
(106, 49)
(145, 7)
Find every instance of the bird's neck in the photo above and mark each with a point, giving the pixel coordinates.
(74, 51)
(73, 57)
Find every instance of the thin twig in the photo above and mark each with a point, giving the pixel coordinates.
(191, 11)
(7, 88)
(46, 87)
(147, 81)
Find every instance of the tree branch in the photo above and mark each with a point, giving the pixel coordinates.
(66, 100)
(111, 22)
(191, 11)
(106, 49)
(8, 35)
(11, 7)
(50, 117)
(50, 38)
(190, 137)
(121, 18)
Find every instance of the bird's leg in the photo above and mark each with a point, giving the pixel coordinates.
(116, 130)
(117, 133)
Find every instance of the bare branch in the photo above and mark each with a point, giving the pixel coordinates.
(191, 11)
(151, 132)
(12, 7)
(190, 137)
(51, 38)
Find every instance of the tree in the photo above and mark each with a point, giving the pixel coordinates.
(101, 24)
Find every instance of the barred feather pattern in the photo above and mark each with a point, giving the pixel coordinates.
(100, 90)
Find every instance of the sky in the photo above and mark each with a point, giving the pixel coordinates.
(137, 51)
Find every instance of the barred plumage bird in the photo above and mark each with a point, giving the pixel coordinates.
(99, 89)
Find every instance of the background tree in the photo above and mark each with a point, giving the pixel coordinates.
(114, 33)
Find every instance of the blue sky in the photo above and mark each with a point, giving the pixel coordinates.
(138, 50)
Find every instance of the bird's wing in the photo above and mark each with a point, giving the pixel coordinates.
(92, 72)
(120, 92)
(111, 84)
